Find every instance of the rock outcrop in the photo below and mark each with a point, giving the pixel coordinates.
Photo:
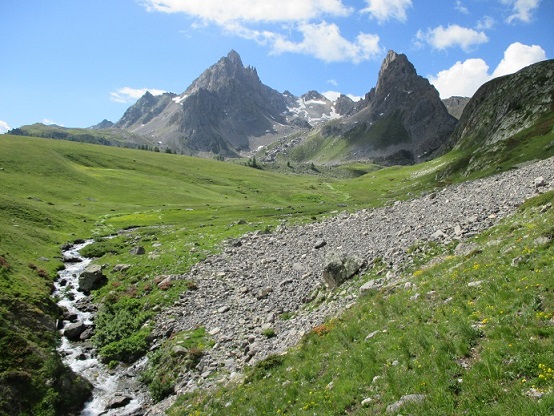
(400, 121)
(403, 117)
(507, 105)
(456, 105)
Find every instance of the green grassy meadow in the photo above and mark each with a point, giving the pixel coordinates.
(180, 209)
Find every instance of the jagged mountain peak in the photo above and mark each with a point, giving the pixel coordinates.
(228, 68)
(395, 68)
(234, 57)
(314, 95)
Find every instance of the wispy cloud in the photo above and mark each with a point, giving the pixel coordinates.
(128, 94)
(384, 10)
(521, 9)
(49, 122)
(454, 35)
(464, 78)
(461, 8)
(485, 23)
(4, 127)
(333, 95)
(333, 82)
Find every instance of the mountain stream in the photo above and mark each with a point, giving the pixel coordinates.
(116, 391)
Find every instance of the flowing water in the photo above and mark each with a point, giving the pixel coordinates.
(116, 392)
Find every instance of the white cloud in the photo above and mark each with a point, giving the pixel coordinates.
(222, 12)
(297, 19)
(4, 127)
(333, 95)
(127, 94)
(333, 82)
(49, 122)
(464, 78)
(454, 35)
(519, 56)
(522, 9)
(383, 10)
(324, 41)
(461, 8)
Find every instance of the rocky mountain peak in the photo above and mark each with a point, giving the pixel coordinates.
(314, 95)
(234, 58)
(395, 69)
(227, 69)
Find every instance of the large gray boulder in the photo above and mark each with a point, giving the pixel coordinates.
(341, 267)
(73, 331)
(91, 278)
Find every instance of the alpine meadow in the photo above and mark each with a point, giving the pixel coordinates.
(234, 250)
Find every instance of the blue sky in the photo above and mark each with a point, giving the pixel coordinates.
(77, 62)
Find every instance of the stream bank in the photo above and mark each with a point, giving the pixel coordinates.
(116, 391)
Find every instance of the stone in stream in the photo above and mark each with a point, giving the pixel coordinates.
(73, 331)
(118, 401)
(91, 278)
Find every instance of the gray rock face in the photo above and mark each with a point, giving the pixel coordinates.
(456, 105)
(400, 121)
(407, 110)
(505, 106)
(91, 278)
(223, 111)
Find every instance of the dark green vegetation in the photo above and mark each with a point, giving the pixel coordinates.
(474, 334)
(179, 209)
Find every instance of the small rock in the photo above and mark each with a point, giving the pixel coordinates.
(366, 402)
(534, 393)
(372, 335)
(215, 331)
(439, 235)
(465, 249)
(121, 267)
(539, 182)
(224, 309)
(319, 244)
(137, 250)
(414, 398)
(475, 283)
(371, 285)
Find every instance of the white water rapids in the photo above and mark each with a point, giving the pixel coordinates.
(80, 356)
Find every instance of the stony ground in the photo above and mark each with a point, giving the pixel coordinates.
(243, 293)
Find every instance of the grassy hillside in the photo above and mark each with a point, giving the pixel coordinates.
(459, 334)
(178, 208)
(55, 192)
(472, 159)
(108, 137)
